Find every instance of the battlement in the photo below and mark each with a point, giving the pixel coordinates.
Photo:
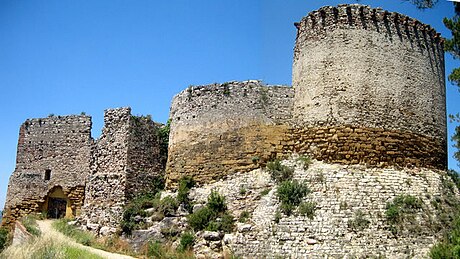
(319, 23)
(239, 101)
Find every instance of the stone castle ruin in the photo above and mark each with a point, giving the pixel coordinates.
(368, 92)
(61, 170)
(368, 88)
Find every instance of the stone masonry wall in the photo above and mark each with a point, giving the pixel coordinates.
(348, 144)
(145, 161)
(369, 68)
(61, 144)
(339, 193)
(125, 162)
(106, 184)
(207, 122)
(369, 88)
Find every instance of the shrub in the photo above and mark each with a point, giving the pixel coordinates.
(158, 185)
(401, 209)
(168, 205)
(200, 219)
(212, 217)
(242, 190)
(186, 241)
(136, 207)
(163, 134)
(185, 184)
(244, 216)
(155, 250)
(279, 172)
(216, 202)
(291, 193)
(359, 222)
(307, 209)
(226, 223)
(305, 160)
(30, 223)
(4, 238)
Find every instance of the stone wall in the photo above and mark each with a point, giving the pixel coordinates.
(369, 68)
(338, 192)
(369, 88)
(145, 163)
(126, 161)
(60, 144)
(348, 144)
(223, 128)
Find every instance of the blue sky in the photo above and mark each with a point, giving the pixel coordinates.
(65, 57)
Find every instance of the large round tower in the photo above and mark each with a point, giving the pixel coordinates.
(370, 88)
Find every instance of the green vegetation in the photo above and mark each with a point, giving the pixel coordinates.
(213, 217)
(279, 172)
(291, 193)
(83, 237)
(343, 205)
(137, 206)
(30, 223)
(265, 191)
(186, 241)
(56, 250)
(359, 221)
(307, 209)
(4, 238)
(226, 89)
(449, 247)
(401, 211)
(112, 243)
(244, 216)
(163, 134)
(277, 216)
(158, 250)
(263, 95)
(305, 160)
(242, 190)
(185, 184)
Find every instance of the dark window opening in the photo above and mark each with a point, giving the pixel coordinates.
(47, 174)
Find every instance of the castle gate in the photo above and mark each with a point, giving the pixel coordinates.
(57, 204)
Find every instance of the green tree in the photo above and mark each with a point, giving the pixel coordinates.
(423, 4)
(452, 46)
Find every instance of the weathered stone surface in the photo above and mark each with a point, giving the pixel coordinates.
(370, 68)
(207, 122)
(127, 159)
(212, 235)
(355, 74)
(60, 145)
(338, 191)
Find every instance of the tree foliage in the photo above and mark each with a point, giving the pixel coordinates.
(423, 4)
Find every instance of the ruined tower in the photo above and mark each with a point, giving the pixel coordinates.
(370, 87)
(53, 160)
(127, 160)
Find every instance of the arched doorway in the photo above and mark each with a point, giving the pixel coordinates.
(57, 204)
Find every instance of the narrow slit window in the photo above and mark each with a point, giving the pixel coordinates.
(47, 174)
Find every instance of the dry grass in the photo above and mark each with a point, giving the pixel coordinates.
(50, 246)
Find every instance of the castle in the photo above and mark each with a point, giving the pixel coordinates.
(368, 89)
